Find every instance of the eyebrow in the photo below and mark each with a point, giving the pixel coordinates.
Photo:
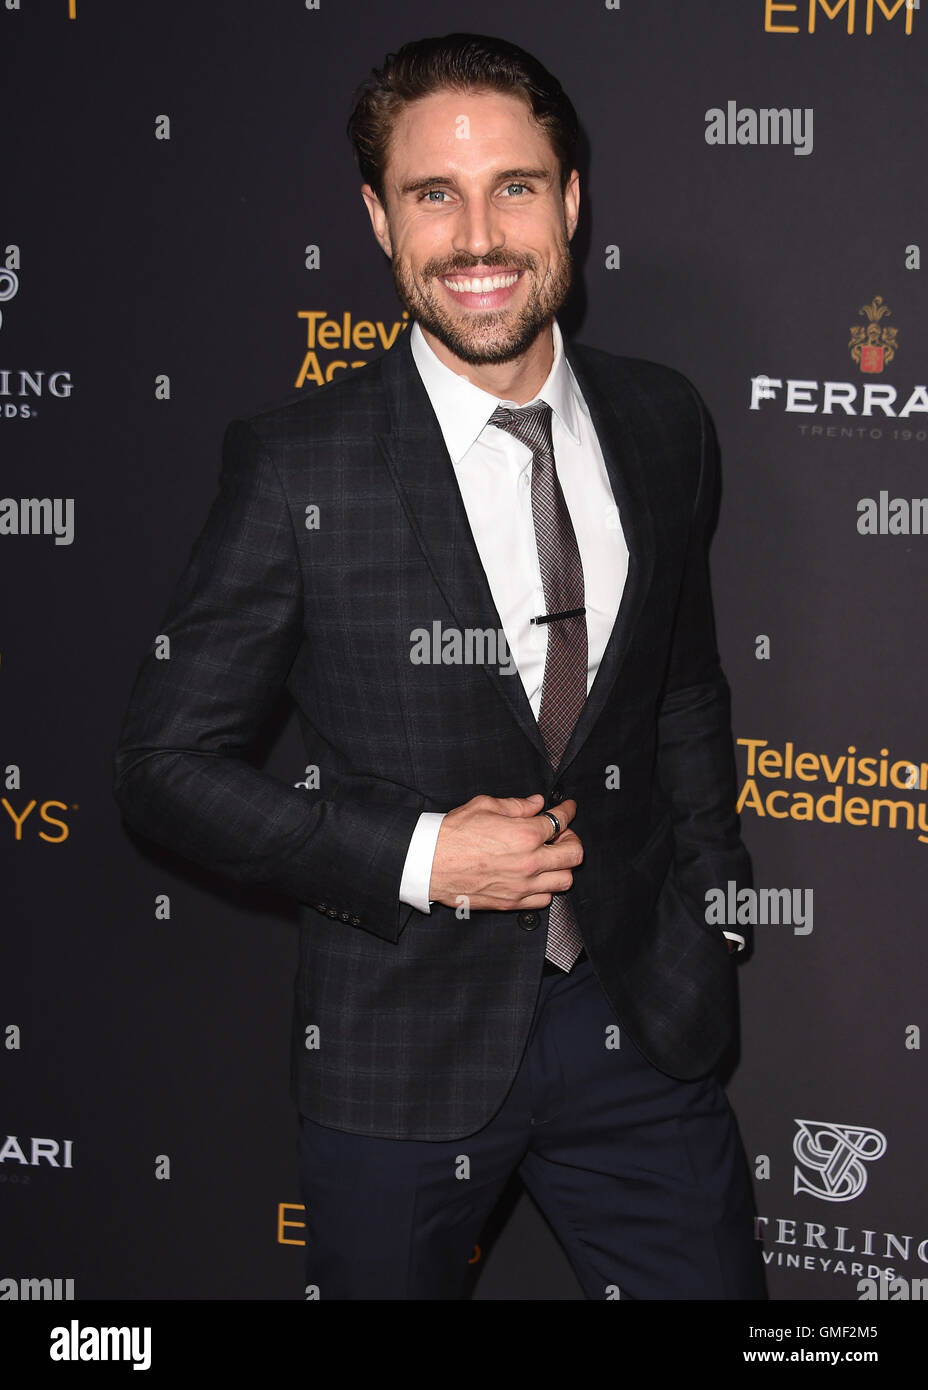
(505, 175)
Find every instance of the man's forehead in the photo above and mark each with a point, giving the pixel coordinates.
(454, 125)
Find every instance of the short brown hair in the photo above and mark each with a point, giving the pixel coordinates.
(461, 62)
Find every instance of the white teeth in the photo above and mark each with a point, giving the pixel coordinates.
(483, 285)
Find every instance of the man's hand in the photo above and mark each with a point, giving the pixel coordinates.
(494, 851)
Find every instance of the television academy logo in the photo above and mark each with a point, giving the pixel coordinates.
(834, 1157)
(327, 333)
(872, 347)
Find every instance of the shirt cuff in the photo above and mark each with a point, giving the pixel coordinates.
(417, 871)
(733, 936)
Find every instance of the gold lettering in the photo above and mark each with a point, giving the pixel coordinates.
(750, 796)
(53, 820)
(18, 820)
(311, 370)
(283, 1222)
(909, 775)
(388, 341)
(894, 807)
(310, 315)
(922, 809)
(750, 744)
(832, 12)
(807, 760)
(857, 811)
(330, 335)
(363, 335)
(772, 28)
(890, 14)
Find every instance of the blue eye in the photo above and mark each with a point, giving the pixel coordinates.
(435, 193)
(510, 186)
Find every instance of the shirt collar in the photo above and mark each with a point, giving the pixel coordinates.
(464, 409)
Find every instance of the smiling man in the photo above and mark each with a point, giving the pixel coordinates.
(480, 251)
(505, 962)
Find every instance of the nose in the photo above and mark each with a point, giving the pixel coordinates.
(478, 228)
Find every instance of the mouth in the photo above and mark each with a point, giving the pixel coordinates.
(491, 290)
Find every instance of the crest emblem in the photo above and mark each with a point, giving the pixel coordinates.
(873, 347)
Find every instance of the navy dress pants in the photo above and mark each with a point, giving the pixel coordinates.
(642, 1178)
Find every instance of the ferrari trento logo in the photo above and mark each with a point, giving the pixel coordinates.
(873, 347)
(834, 1157)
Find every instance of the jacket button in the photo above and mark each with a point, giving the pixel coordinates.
(356, 921)
(331, 912)
(557, 796)
(345, 916)
(321, 907)
(528, 921)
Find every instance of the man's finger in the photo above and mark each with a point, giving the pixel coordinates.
(563, 814)
(520, 805)
(565, 811)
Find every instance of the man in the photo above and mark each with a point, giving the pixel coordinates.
(500, 643)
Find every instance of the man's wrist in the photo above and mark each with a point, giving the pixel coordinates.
(417, 870)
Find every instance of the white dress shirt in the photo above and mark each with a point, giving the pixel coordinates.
(494, 473)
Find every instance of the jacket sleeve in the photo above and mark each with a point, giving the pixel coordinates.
(696, 762)
(225, 648)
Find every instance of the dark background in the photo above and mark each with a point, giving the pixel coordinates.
(140, 1036)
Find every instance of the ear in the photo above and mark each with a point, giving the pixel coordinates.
(378, 218)
(572, 203)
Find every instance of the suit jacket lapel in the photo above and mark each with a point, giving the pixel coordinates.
(424, 477)
(612, 420)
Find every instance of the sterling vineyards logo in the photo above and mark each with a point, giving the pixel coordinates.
(19, 390)
(9, 286)
(831, 1159)
(832, 1165)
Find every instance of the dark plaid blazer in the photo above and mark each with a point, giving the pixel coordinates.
(423, 1018)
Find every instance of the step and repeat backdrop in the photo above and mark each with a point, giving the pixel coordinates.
(182, 241)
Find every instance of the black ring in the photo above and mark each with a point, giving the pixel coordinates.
(554, 821)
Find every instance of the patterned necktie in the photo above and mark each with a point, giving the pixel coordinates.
(563, 688)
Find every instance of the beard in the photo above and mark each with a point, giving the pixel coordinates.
(498, 335)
